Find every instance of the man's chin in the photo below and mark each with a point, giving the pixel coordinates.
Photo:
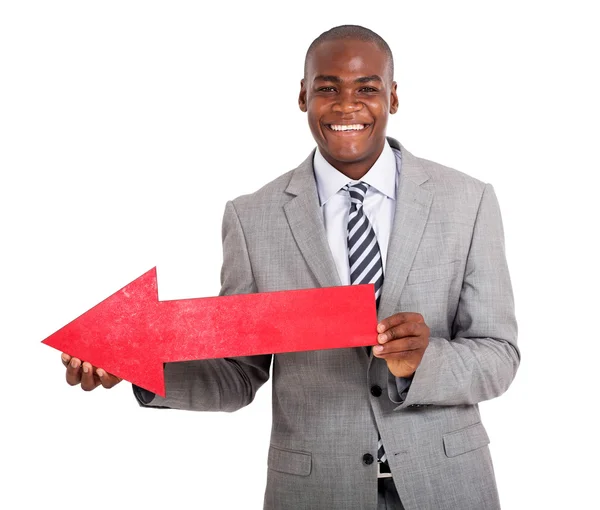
(346, 154)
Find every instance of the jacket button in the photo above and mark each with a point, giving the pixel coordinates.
(368, 459)
(376, 390)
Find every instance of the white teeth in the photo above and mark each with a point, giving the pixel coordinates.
(350, 127)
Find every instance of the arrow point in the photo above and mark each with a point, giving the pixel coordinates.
(111, 335)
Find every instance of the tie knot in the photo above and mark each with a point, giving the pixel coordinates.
(357, 192)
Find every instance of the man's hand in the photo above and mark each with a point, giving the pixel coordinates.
(403, 338)
(89, 376)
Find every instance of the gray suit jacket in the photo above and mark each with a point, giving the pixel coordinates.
(446, 261)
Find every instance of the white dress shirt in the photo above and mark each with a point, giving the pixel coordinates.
(379, 204)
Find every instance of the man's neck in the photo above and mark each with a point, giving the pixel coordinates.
(355, 170)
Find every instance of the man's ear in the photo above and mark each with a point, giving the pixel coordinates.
(394, 98)
(302, 96)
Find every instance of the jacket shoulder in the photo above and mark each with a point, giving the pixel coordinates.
(457, 196)
(451, 178)
(271, 194)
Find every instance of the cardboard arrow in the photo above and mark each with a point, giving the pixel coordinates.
(131, 333)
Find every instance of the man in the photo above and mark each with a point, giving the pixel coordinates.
(398, 426)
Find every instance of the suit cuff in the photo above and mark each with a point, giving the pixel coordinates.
(398, 388)
(144, 397)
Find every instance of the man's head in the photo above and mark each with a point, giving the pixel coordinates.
(348, 92)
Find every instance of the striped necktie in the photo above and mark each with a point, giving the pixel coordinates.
(364, 256)
(363, 250)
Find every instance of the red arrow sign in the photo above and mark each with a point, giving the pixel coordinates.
(131, 333)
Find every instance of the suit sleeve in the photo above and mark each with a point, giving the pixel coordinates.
(480, 361)
(218, 384)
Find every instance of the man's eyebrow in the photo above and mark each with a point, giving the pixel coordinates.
(365, 79)
(328, 77)
(337, 79)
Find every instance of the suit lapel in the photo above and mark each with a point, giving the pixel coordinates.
(413, 203)
(305, 218)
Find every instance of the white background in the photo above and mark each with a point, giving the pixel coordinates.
(126, 125)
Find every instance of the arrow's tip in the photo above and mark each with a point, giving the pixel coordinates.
(48, 341)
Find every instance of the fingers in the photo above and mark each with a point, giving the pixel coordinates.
(397, 319)
(402, 338)
(89, 380)
(86, 374)
(404, 329)
(403, 341)
(399, 348)
(107, 380)
(73, 371)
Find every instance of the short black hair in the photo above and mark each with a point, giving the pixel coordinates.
(351, 32)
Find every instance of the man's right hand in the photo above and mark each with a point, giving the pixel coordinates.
(89, 376)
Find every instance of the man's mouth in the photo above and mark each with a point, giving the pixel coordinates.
(346, 127)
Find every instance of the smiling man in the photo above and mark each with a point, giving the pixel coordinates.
(397, 426)
(348, 93)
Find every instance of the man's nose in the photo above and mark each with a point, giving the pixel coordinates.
(347, 103)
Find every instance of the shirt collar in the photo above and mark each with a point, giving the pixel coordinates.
(381, 176)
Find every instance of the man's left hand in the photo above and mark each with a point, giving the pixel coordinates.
(403, 338)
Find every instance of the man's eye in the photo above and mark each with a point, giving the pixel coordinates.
(368, 89)
(326, 89)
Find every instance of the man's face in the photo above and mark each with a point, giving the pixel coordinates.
(348, 95)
